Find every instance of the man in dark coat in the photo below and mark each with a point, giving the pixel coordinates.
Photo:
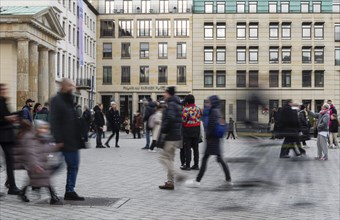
(87, 122)
(150, 109)
(172, 133)
(66, 130)
(99, 122)
(113, 119)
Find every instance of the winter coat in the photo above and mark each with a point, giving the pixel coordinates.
(156, 130)
(113, 119)
(214, 115)
(323, 119)
(42, 114)
(6, 128)
(126, 125)
(172, 120)
(99, 120)
(334, 128)
(26, 110)
(87, 117)
(149, 110)
(139, 121)
(65, 124)
(288, 122)
(191, 121)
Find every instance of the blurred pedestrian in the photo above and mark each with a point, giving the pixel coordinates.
(213, 142)
(37, 108)
(138, 125)
(148, 111)
(35, 148)
(126, 124)
(333, 131)
(304, 126)
(272, 122)
(66, 130)
(191, 131)
(87, 122)
(7, 139)
(155, 123)
(99, 122)
(231, 128)
(113, 119)
(27, 110)
(171, 132)
(43, 114)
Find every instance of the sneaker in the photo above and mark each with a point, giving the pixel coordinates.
(117, 146)
(195, 167)
(192, 183)
(228, 183)
(152, 151)
(323, 158)
(73, 196)
(168, 186)
(317, 158)
(185, 168)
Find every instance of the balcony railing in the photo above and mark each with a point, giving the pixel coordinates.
(83, 83)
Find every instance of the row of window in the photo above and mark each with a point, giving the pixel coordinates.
(253, 78)
(274, 30)
(144, 72)
(145, 28)
(145, 7)
(144, 50)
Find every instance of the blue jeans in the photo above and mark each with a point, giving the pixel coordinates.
(72, 161)
(147, 136)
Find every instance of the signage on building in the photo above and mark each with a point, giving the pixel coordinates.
(144, 88)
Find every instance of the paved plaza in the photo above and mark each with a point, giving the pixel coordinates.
(122, 183)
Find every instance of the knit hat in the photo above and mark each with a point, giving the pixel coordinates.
(113, 103)
(170, 90)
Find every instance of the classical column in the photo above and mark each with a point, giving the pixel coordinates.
(22, 72)
(43, 82)
(33, 71)
(52, 73)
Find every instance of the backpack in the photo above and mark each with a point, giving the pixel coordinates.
(220, 129)
(152, 120)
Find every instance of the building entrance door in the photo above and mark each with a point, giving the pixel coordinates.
(125, 102)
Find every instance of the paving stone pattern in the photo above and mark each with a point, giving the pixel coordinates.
(266, 187)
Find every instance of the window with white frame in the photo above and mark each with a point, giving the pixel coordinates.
(336, 6)
(220, 55)
(319, 78)
(181, 74)
(273, 54)
(125, 28)
(304, 7)
(208, 78)
(163, 6)
(162, 74)
(126, 50)
(163, 28)
(144, 74)
(253, 30)
(220, 78)
(144, 50)
(241, 30)
(109, 6)
(182, 6)
(144, 28)
(181, 50)
(240, 7)
(306, 30)
(208, 30)
(252, 7)
(241, 55)
(272, 7)
(208, 7)
(146, 6)
(274, 30)
(337, 32)
(317, 7)
(127, 6)
(286, 54)
(181, 27)
(319, 55)
(318, 30)
(220, 30)
(107, 50)
(284, 7)
(253, 54)
(286, 78)
(306, 54)
(208, 55)
(286, 30)
(337, 56)
(220, 7)
(162, 50)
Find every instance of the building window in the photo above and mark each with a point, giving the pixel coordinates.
(241, 112)
(253, 55)
(162, 28)
(318, 30)
(69, 67)
(181, 50)
(144, 75)
(252, 7)
(74, 36)
(162, 50)
(306, 30)
(337, 32)
(272, 7)
(241, 79)
(220, 7)
(241, 31)
(182, 28)
(208, 55)
(146, 5)
(304, 7)
(109, 6)
(274, 30)
(317, 7)
(125, 75)
(318, 54)
(220, 78)
(253, 78)
(273, 78)
(337, 56)
(208, 78)
(163, 6)
(125, 28)
(144, 50)
(286, 54)
(220, 55)
(220, 30)
(286, 32)
(144, 28)
(273, 54)
(208, 7)
(163, 74)
(107, 50)
(286, 78)
(306, 54)
(336, 7)
(208, 30)
(319, 78)
(241, 54)
(181, 74)
(127, 6)
(284, 7)
(253, 30)
(107, 75)
(240, 7)
(182, 6)
(126, 50)
(306, 78)
(69, 33)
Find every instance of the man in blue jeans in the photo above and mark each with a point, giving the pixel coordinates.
(149, 110)
(66, 129)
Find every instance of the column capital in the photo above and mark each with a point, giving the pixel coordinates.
(22, 39)
(43, 49)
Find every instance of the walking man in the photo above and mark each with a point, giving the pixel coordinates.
(231, 128)
(66, 130)
(99, 122)
(113, 119)
(171, 129)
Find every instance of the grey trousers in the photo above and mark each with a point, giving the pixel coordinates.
(168, 156)
(322, 146)
(333, 139)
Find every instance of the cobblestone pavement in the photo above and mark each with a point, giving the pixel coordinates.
(265, 187)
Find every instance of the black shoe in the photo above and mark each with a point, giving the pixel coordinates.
(185, 168)
(100, 146)
(14, 191)
(195, 167)
(107, 145)
(73, 196)
(117, 146)
(7, 184)
(56, 201)
(145, 148)
(24, 198)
